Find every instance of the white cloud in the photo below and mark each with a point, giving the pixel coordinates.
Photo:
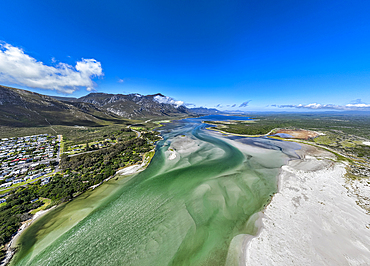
(314, 106)
(356, 105)
(16, 67)
(168, 100)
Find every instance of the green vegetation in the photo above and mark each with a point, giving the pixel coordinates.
(79, 173)
(246, 128)
(344, 133)
(348, 123)
(74, 145)
(16, 210)
(46, 202)
(329, 139)
(2, 254)
(92, 168)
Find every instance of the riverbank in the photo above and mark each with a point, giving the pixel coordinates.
(313, 219)
(318, 216)
(232, 134)
(11, 246)
(72, 212)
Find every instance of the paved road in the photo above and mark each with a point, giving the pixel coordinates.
(28, 164)
(137, 132)
(60, 139)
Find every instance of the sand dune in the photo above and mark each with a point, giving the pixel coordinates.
(313, 219)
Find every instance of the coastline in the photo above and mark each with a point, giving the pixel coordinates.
(312, 219)
(234, 134)
(300, 182)
(317, 217)
(11, 247)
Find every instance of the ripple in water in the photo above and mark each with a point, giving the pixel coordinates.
(192, 210)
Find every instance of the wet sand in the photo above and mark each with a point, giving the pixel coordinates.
(312, 220)
(195, 209)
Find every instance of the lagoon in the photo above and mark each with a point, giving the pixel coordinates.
(195, 204)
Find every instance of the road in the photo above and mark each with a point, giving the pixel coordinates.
(81, 153)
(60, 139)
(29, 164)
(137, 132)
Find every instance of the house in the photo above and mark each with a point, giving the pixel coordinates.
(44, 182)
(6, 184)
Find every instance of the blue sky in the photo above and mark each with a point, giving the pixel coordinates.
(208, 53)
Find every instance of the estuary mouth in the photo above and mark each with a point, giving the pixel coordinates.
(193, 205)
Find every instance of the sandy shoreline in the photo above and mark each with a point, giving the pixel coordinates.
(11, 246)
(313, 219)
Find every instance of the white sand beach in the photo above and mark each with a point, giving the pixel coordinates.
(313, 219)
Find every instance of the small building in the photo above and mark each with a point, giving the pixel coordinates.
(6, 184)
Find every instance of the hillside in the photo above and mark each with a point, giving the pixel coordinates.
(205, 111)
(135, 105)
(20, 108)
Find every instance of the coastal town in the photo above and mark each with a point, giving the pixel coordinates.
(41, 171)
(27, 159)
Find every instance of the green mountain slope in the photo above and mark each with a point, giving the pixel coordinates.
(20, 108)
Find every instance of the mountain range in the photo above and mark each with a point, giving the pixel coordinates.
(24, 108)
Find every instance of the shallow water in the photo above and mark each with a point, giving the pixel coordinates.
(192, 210)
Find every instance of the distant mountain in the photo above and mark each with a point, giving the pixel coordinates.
(235, 112)
(66, 99)
(24, 108)
(205, 111)
(134, 105)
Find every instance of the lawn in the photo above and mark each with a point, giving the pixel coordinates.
(46, 202)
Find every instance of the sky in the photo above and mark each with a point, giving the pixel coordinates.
(230, 55)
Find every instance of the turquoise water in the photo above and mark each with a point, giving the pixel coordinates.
(222, 118)
(192, 210)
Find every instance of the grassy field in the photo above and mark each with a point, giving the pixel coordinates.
(46, 202)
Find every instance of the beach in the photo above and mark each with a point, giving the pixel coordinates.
(315, 218)
(190, 209)
(212, 199)
(11, 246)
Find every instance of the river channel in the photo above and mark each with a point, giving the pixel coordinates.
(195, 204)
